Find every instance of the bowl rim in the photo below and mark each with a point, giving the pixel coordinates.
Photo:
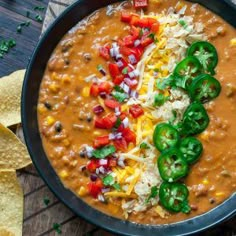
(221, 212)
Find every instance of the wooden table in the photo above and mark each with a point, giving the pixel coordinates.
(38, 217)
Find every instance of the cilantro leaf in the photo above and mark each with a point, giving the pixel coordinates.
(116, 186)
(118, 122)
(144, 145)
(120, 97)
(125, 71)
(153, 194)
(165, 82)
(108, 180)
(57, 228)
(104, 152)
(46, 201)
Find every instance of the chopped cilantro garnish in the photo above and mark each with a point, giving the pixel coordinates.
(39, 18)
(163, 83)
(99, 67)
(108, 180)
(104, 152)
(118, 122)
(116, 186)
(183, 23)
(153, 37)
(19, 27)
(46, 201)
(160, 99)
(125, 71)
(39, 8)
(153, 194)
(144, 145)
(119, 94)
(57, 228)
(6, 45)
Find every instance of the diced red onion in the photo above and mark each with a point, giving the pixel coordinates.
(103, 95)
(131, 66)
(102, 170)
(117, 111)
(118, 56)
(120, 64)
(134, 94)
(121, 162)
(105, 190)
(155, 73)
(111, 136)
(103, 162)
(125, 122)
(137, 42)
(115, 51)
(89, 151)
(101, 198)
(97, 171)
(93, 177)
(132, 59)
(130, 82)
(114, 45)
(98, 109)
(126, 88)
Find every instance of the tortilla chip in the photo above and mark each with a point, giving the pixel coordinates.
(4, 232)
(11, 203)
(14, 154)
(10, 96)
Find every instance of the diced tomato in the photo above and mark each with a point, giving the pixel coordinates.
(135, 32)
(125, 50)
(95, 188)
(94, 91)
(155, 27)
(134, 20)
(105, 87)
(124, 64)
(104, 52)
(129, 41)
(146, 41)
(123, 115)
(120, 144)
(101, 141)
(112, 162)
(140, 3)
(106, 122)
(118, 79)
(151, 21)
(111, 103)
(143, 23)
(92, 165)
(136, 110)
(125, 17)
(128, 135)
(113, 69)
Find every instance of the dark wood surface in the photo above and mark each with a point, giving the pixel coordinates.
(39, 218)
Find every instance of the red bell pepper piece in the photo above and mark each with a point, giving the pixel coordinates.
(104, 87)
(94, 91)
(95, 188)
(111, 103)
(128, 41)
(136, 110)
(101, 141)
(104, 52)
(120, 144)
(140, 3)
(113, 69)
(106, 122)
(118, 79)
(125, 17)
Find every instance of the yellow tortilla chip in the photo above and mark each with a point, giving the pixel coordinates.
(10, 96)
(11, 204)
(13, 154)
(4, 232)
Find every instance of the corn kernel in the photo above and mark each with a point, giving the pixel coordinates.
(63, 174)
(219, 194)
(50, 120)
(41, 108)
(131, 146)
(233, 42)
(54, 88)
(97, 133)
(82, 191)
(66, 142)
(205, 181)
(85, 92)
(54, 76)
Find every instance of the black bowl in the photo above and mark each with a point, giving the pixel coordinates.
(30, 93)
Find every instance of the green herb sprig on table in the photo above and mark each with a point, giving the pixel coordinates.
(6, 45)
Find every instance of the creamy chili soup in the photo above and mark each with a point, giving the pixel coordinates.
(137, 111)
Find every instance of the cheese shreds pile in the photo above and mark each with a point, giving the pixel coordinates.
(141, 173)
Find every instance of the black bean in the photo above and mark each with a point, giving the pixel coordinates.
(67, 61)
(89, 118)
(48, 105)
(58, 126)
(87, 57)
(212, 200)
(82, 153)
